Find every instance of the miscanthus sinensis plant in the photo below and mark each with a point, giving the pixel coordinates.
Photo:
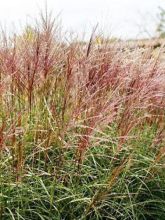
(82, 130)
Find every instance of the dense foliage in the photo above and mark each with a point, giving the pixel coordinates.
(82, 130)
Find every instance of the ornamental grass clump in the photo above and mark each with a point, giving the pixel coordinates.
(81, 128)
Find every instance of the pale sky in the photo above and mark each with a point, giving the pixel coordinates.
(120, 18)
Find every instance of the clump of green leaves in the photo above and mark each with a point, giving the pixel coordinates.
(81, 130)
